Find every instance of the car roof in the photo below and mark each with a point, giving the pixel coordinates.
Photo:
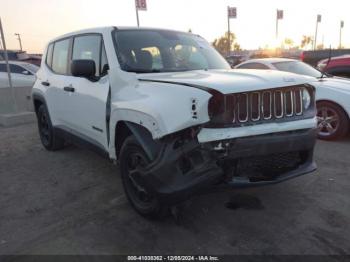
(108, 29)
(347, 56)
(15, 62)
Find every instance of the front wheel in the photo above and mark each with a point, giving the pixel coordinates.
(49, 139)
(132, 156)
(332, 121)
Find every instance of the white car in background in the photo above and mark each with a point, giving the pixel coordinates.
(22, 74)
(332, 94)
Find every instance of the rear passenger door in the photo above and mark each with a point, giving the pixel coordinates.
(86, 105)
(55, 79)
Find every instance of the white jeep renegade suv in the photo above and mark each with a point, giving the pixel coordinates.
(167, 107)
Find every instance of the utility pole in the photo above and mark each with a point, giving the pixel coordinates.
(19, 39)
(8, 67)
(319, 18)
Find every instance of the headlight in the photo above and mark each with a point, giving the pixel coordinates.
(306, 98)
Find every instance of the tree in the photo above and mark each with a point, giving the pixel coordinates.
(237, 47)
(320, 47)
(306, 41)
(221, 44)
(289, 42)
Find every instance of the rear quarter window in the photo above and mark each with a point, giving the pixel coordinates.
(49, 55)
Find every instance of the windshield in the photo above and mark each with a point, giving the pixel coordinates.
(152, 51)
(297, 68)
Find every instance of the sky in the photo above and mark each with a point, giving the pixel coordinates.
(38, 21)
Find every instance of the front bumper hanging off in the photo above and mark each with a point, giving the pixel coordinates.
(181, 170)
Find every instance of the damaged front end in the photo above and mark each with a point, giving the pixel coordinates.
(253, 138)
(182, 167)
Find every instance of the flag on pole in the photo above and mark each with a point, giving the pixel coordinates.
(232, 12)
(279, 14)
(141, 5)
(341, 24)
(319, 18)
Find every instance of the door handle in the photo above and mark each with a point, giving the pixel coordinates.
(69, 89)
(45, 83)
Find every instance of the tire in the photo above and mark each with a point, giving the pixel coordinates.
(50, 140)
(332, 121)
(133, 156)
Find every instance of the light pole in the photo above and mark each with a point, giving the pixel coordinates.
(340, 33)
(231, 13)
(319, 18)
(228, 32)
(142, 6)
(279, 16)
(19, 40)
(137, 16)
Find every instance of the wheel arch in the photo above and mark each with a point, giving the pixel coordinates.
(124, 129)
(335, 103)
(38, 100)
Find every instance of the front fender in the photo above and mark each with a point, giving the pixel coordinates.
(132, 117)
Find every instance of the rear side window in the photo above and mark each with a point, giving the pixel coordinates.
(60, 57)
(340, 71)
(88, 47)
(253, 66)
(15, 69)
(3, 68)
(49, 55)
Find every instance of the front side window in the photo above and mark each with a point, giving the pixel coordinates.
(88, 47)
(15, 69)
(147, 51)
(60, 57)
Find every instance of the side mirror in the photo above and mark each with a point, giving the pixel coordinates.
(83, 68)
(25, 72)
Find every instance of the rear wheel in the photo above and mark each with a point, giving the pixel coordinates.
(48, 138)
(332, 121)
(132, 156)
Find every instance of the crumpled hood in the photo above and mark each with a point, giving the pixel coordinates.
(230, 81)
(337, 83)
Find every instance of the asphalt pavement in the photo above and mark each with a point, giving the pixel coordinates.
(72, 202)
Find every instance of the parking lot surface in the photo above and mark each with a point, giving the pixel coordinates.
(72, 202)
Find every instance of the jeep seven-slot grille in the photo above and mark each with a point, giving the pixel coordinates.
(265, 105)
